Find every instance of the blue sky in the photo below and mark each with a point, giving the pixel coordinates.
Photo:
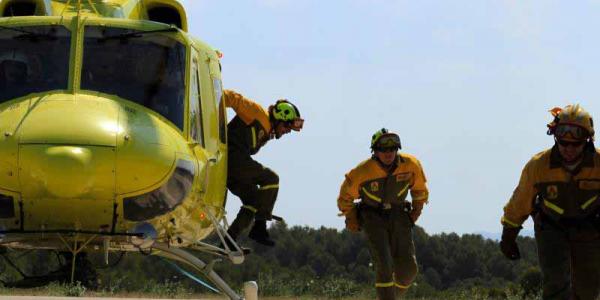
(466, 84)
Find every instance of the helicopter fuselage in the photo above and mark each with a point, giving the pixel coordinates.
(112, 128)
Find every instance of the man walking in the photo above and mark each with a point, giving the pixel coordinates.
(559, 188)
(382, 184)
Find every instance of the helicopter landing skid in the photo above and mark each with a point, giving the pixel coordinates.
(206, 269)
(228, 247)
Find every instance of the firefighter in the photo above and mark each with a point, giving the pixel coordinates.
(559, 188)
(382, 184)
(254, 184)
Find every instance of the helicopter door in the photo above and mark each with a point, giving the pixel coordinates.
(216, 163)
(196, 127)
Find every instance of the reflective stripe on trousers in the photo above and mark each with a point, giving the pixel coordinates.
(256, 185)
(392, 250)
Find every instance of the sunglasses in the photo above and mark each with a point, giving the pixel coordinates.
(575, 144)
(387, 149)
(295, 124)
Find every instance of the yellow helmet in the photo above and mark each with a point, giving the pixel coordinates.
(571, 122)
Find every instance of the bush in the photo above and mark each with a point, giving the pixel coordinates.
(336, 288)
(75, 290)
(330, 287)
(167, 289)
(531, 282)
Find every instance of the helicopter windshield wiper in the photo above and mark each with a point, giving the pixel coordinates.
(135, 34)
(26, 33)
(16, 29)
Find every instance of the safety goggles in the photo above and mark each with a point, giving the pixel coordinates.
(295, 124)
(574, 144)
(570, 131)
(388, 141)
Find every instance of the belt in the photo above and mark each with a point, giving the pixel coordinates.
(566, 223)
(404, 207)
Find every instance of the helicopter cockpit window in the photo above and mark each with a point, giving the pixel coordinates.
(33, 59)
(218, 89)
(146, 67)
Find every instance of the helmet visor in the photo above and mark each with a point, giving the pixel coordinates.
(568, 131)
(388, 141)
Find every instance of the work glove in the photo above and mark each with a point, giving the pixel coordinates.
(414, 214)
(508, 244)
(352, 223)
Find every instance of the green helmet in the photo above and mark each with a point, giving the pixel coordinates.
(384, 139)
(285, 111)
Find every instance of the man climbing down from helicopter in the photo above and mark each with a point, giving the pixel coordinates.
(254, 184)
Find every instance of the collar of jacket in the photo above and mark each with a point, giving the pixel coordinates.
(392, 167)
(586, 162)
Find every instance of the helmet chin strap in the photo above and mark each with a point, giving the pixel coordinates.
(274, 133)
(574, 161)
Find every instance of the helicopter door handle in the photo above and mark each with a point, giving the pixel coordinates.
(213, 160)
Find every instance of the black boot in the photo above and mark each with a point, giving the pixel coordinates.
(241, 222)
(260, 234)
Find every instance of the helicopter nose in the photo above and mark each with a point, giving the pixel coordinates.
(67, 148)
(69, 162)
(66, 186)
(78, 155)
(67, 172)
(70, 120)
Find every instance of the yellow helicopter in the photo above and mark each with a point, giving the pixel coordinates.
(112, 132)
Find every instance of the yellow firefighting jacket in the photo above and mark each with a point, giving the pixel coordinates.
(374, 186)
(559, 193)
(250, 129)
